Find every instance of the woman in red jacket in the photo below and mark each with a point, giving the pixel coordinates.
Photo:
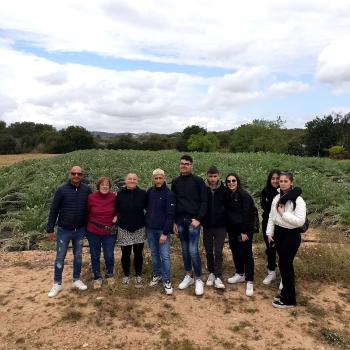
(100, 230)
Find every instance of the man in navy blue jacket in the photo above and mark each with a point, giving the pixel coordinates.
(69, 205)
(159, 224)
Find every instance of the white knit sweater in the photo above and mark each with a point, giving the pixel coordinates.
(291, 218)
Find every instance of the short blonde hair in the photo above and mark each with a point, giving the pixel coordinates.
(158, 171)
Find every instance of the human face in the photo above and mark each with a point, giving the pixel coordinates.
(75, 175)
(158, 180)
(104, 187)
(275, 180)
(231, 183)
(212, 179)
(185, 167)
(131, 181)
(285, 183)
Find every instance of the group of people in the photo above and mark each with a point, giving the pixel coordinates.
(133, 216)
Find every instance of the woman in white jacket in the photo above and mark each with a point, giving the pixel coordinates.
(283, 230)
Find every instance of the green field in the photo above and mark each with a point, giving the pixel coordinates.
(26, 188)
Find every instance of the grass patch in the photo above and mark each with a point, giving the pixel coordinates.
(333, 337)
(72, 316)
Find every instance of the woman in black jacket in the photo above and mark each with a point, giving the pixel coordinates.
(131, 205)
(267, 195)
(240, 227)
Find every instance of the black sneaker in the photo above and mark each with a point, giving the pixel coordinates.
(281, 305)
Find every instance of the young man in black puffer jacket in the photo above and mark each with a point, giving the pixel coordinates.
(214, 227)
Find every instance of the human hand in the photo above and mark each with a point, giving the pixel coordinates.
(162, 238)
(244, 237)
(195, 223)
(176, 232)
(51, 236)
(115, 219)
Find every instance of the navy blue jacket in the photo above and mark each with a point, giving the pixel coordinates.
(160, 209)
(70, 206)
(131, 205)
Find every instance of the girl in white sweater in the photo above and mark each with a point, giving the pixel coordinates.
(283, 231)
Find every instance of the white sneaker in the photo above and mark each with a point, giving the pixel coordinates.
(155, 280)
(138, 280)
(236, 278)
(168, 288)
(218, 283)
(199, 290)
(186, 282)
(271, 276)
(97, 284)
(249, 291)
(210, 280)
(280, 287)
(56, 288)
(79, 285)
(125, 280)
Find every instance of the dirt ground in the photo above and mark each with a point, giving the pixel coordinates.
(8, 159)
(128, 318)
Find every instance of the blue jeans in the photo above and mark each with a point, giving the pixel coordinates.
(189, 237)
(160, 254)
(62, 242)
(107, 242)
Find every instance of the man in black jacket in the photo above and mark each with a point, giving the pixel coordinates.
(191, 206)
(214, 227)
(70, 207)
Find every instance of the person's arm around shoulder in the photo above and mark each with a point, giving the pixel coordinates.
(298, 216)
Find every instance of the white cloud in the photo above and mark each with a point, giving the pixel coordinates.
(334, 65)
(288, 88)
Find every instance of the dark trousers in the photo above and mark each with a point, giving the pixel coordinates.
(213, 239)
(242, 253)
(107, 242)
(287, 244)
(138, 258)
(270, 252)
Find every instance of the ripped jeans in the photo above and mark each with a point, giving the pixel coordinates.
(62, 242)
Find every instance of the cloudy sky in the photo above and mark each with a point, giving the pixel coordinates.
(162, 65)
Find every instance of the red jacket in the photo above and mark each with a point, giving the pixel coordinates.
(101, 210)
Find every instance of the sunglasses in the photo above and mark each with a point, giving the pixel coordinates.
(231, 181)
(76, 174)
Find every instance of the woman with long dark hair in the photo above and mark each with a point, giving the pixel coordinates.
(267, 195)
(283, 230)
(240, 227)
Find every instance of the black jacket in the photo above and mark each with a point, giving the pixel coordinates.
(216, 212)
(131, 205)
(191, 197)
(70, 206)
(160, 209)
(240, 209)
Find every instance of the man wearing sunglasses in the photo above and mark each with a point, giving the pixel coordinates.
(69, 209)
(191, 206)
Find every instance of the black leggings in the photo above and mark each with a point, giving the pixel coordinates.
(242, 253)
(287, 244)
(138, 258)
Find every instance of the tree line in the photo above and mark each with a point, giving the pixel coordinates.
(323, 136)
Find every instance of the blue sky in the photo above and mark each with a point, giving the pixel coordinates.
(160, 66)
